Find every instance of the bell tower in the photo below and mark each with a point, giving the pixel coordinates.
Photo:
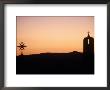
(88, 52)
(88, 45)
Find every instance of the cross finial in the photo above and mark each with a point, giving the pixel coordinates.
(88, 33)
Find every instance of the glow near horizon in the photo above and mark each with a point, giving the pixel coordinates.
(59, 34)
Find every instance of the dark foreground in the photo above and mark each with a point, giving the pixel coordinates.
(55, 63)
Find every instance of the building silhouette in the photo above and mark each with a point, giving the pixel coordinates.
(88, 46)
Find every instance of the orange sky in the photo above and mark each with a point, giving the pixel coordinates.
(53, 34)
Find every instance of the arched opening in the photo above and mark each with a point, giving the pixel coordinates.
(88, 41)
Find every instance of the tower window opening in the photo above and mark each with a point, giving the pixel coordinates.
(88, 41)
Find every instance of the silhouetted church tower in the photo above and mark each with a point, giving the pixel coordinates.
(88, 52)
(88, 45)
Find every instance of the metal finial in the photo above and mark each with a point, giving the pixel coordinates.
(88, 34)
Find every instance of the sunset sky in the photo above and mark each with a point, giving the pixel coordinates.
(58, 34)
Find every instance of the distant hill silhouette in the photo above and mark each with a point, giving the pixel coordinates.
(54, 63)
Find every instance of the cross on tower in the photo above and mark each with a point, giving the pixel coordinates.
(88, 33)
(21, 47)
